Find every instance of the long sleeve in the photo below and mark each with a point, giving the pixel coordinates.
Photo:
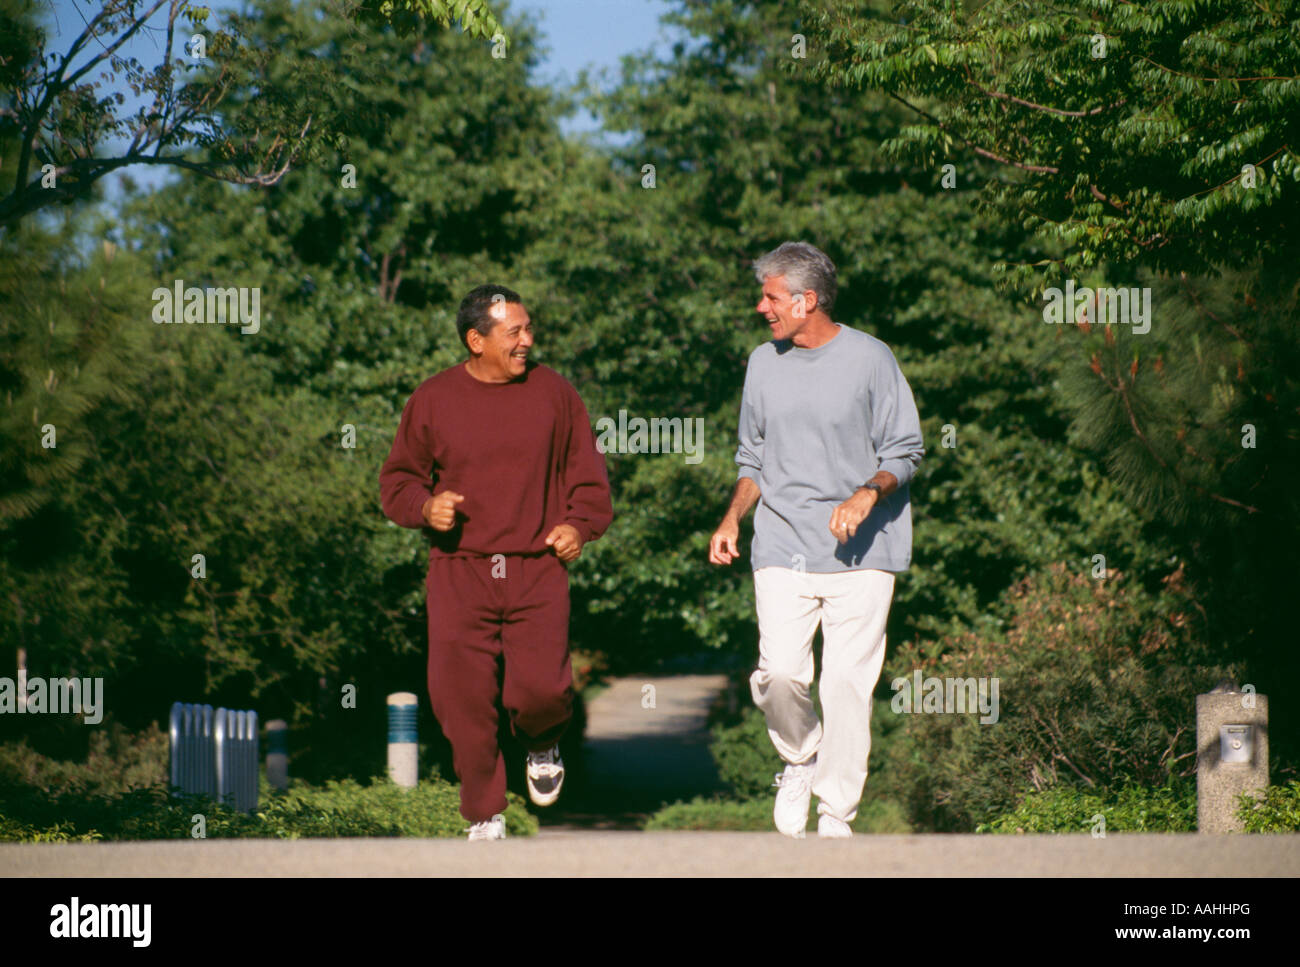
(586, 481)
(749, 455)
(405, 478)
(895, 424)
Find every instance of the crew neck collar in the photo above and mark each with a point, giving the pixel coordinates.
(463, 366)
(809, 351)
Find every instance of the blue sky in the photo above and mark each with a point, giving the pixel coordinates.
(576, 34)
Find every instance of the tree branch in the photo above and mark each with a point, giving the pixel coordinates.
(984, 152)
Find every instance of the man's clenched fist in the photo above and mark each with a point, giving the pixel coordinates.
(440, 510)
(566, 541)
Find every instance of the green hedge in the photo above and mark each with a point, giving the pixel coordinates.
(118, 792)
(1127, 809)
(1097, 686)
(340, 808)
(755, 815)
(1277, 812)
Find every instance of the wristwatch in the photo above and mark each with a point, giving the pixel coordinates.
(880, 493)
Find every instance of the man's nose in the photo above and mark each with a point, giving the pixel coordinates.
(526, 339)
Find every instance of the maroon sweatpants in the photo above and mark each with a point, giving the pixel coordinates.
(482, 608)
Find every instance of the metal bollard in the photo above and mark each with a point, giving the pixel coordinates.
(1231, 754)
(403, 753)
(277, 754)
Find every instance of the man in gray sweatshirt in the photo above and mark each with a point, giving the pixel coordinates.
(829, 440)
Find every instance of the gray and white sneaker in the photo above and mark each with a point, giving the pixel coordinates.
(545, 772)
(794, 794)
(494, 828)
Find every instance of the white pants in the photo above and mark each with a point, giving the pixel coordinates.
(852, 607)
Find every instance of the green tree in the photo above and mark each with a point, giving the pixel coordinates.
(1149, 145)
(359, 270)
(54, 119)
(750, 148)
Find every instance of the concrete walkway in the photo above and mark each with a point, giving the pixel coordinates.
(676, 854)
(646, 744)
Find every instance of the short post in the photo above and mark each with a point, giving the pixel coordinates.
(22, 679)
(277, 754)
(403, 753)
(1231, 754)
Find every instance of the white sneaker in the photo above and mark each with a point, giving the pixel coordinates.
(545, 772)
(494, 828)
(793, 798)
(828, 827)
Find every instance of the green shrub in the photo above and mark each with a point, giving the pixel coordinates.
(755, 815)
(1097, 686)
(745, 756)
(1129, 809)
(340, 808)
(1277, 812)
(115, 762)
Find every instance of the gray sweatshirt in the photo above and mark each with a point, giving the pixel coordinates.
(815, 425)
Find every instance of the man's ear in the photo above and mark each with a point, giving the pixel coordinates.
(810, 301)
(475, 340)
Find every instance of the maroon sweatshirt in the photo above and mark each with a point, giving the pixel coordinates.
(522, 453)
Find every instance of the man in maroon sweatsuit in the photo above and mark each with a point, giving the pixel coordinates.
(497, 457)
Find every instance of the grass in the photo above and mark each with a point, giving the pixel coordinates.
(755, 815)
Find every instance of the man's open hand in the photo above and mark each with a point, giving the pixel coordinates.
(722, 545)
(848, 515)
(565, 540)
(439, 511)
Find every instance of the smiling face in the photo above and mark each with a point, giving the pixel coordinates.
(501, 355)
(786, 315)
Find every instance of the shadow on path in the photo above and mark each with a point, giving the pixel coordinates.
(646, 745)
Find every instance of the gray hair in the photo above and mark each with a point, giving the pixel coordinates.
(804, 267)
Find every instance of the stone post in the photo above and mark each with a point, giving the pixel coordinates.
(1231, 754)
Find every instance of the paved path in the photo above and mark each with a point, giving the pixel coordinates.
(646, 744)
(612, 853)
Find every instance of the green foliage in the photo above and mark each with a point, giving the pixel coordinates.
(344, 808)
(1194, 420)
(746, 759)
(1128, 809)
(1133, 156)
(755, 815)
(115, 762)
(1277, 812)
(1097, 680)
(229, 445)
(66, 350)
(748, 154)
(473, 16)
(1166, 161)
(238, 104)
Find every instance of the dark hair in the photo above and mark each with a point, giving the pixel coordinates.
(473, 312)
